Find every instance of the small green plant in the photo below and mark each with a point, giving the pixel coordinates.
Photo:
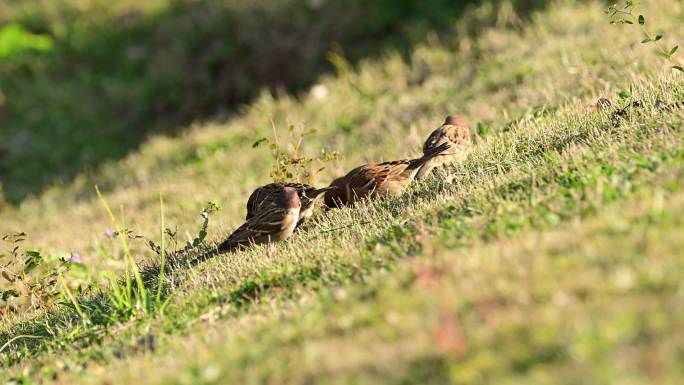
(34, 280)
(129, 295)
(288, 162)
(31, 279)
(626, 13)
(202, 234)
(190, 245)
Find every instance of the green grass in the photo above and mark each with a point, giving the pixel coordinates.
(554, 257)
(156, 66)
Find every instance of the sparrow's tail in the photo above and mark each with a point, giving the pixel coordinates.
(227, 246)
(417, 163)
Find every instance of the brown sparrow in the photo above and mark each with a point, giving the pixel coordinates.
(265, 196)
(272, 224)
(603, 104)
(378, 180)
(455, 132)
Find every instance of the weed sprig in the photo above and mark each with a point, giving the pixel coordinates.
(289, 164)
(626, 14)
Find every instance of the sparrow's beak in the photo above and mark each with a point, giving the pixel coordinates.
(319, 191)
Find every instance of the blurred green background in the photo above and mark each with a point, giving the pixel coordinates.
(86, 81)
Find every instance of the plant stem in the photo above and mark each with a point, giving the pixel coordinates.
(131, 266)
(72, 299)
(142, 291)
(163, 250)
(24, 336)
(127, 274)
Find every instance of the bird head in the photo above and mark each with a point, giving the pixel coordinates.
(288, 198)
(455, 120)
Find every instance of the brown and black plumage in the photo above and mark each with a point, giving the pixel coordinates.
(377, 180)
(454, 131)
(272, 223)
(265, 196)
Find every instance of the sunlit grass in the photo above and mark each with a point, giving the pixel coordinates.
(553, 257)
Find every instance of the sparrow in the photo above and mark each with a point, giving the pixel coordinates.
(273, 223)
(377, 180)
(454, 131)
(619, 113)
(265, 196)
(668, 107)
(603, 104)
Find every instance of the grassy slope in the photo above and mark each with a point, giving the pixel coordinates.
(489, 293)
(125, 59)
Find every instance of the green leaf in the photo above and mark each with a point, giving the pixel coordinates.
(658, 37)
(628, 22)
(646, 40)
(678, 68)
(33, 260)
(642, 20)
(15, 40)
(673, 50)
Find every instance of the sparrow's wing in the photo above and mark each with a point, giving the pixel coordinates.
(257, 229)
(263, 196)
(370, 177)
(363, 181)
(434, 139)
(345, 190)
(390, 170)
(363, 178)
(268, 221)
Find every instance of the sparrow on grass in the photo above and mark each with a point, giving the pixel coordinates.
(378, 180)
(454, 131)
(273, 223)
(266, 196)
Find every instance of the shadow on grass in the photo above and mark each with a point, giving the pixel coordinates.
(111, 79)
